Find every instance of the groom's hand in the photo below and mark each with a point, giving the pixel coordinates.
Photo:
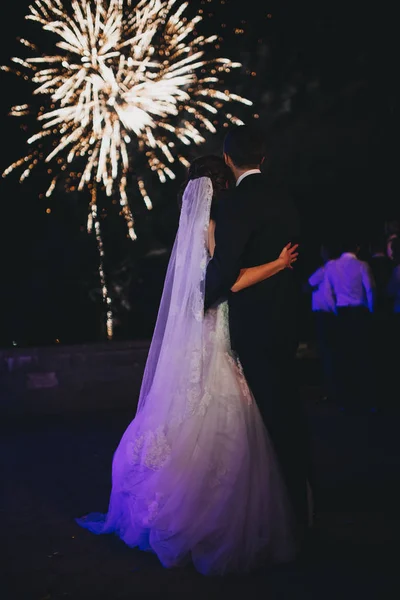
(288, 256)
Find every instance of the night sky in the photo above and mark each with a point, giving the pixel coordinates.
(325, 92)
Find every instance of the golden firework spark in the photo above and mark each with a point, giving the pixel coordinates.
(127, 79)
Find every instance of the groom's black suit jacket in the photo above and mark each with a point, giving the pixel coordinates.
(253, 223)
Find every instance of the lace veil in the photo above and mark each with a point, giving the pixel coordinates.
(177, 338)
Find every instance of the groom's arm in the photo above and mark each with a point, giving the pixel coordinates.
(231, 235)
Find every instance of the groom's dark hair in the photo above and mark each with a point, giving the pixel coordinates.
(245, 146)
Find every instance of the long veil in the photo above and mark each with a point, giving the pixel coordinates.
(179, 321)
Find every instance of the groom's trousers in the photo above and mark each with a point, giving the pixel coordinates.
(271, 374)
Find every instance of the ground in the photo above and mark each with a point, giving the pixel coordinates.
(57, 468)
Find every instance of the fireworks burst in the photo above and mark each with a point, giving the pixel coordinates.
(126, 80)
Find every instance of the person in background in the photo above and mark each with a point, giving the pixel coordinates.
(392, 342)
(324, 322)
(381, 267)
(349, 289)
(392, 231)
(393, 288)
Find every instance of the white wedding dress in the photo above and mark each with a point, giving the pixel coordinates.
(195, 476)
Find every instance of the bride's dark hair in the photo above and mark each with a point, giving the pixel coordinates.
(214, 167)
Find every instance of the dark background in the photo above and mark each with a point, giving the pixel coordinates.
(325, 94)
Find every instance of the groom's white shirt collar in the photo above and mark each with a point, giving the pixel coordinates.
(249, 172)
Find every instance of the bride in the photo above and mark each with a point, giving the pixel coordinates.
(194, 477)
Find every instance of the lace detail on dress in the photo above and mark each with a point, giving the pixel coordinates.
(233, 359)
(198, 300)
(218, 473)
(153, 509)
(204, 403)
(198, 305)
(150, 449)
(195, 366)
(235, 362)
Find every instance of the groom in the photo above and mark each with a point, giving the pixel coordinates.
(253, 223)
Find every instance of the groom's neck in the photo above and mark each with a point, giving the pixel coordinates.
(239, 172)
